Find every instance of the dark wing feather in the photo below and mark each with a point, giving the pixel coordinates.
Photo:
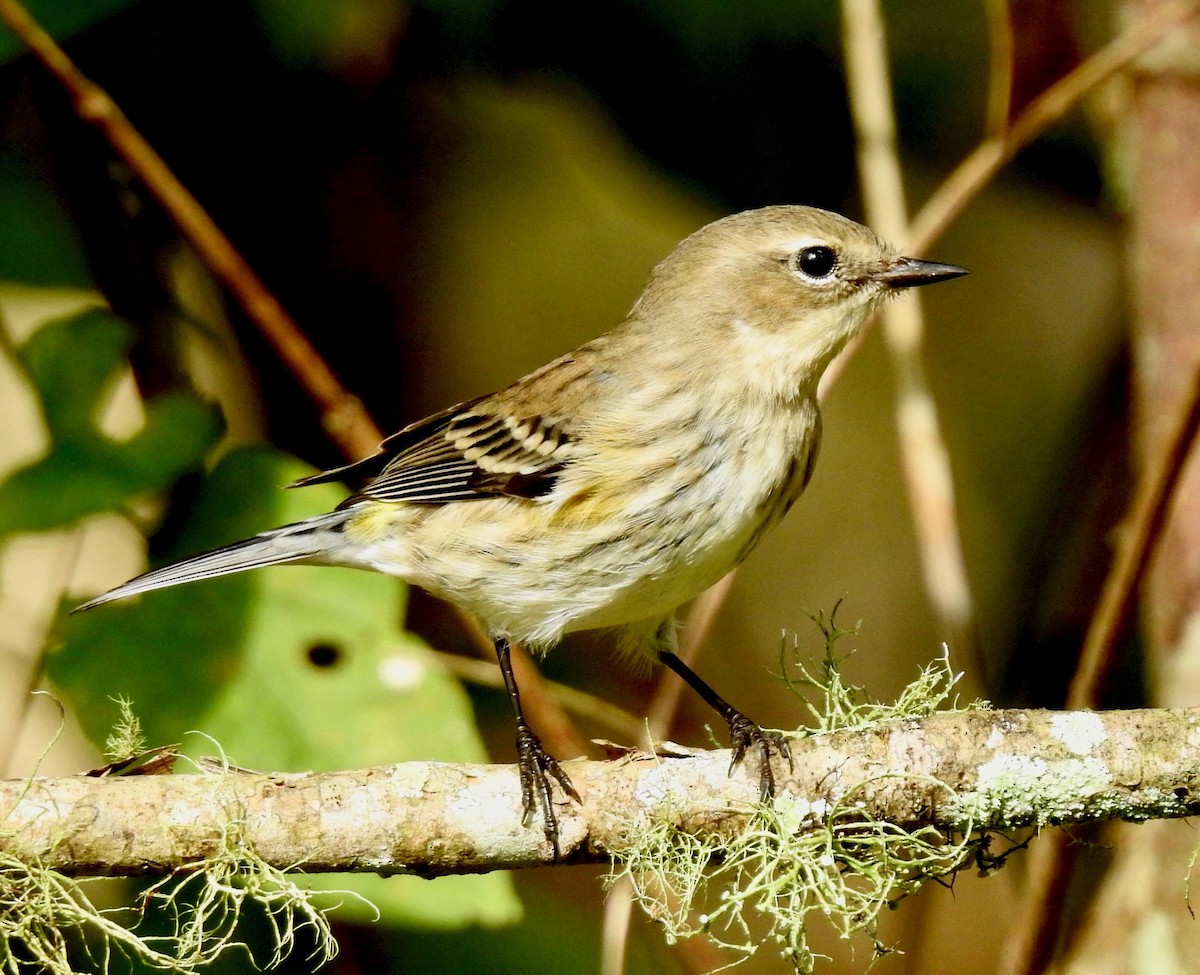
(412, 435)
(465, 453)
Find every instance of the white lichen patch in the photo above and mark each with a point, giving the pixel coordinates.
(1017, 789)
(651, 789)
(1081, 731)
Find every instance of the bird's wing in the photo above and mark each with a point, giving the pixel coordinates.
(471, 451)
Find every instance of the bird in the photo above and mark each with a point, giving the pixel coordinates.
(612, 485)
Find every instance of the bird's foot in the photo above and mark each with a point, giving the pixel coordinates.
(537, 768)
(745, 734)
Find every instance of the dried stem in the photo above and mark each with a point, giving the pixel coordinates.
(486, 673)
(1001, 65)
(1136, 537)
(922, 448)
(550, 719)
(660, 715)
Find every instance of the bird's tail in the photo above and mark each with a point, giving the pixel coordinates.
(310, 541)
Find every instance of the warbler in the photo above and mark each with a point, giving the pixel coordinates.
(612, 485)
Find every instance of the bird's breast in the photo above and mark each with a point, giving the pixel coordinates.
(660, 507)
(670, 513)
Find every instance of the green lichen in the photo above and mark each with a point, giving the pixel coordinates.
(801, 859)
(48, 923)
(841, 706)
(126, 739)
(47, 919)
(796, 860)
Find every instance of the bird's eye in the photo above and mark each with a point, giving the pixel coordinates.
(816, 262)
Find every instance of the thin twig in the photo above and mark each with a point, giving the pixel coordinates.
(922, 448)
(660, 714)
(981, 166)
(1137, 537)
(580, 703)
(1001, 65)
(550, 720)
(342, 414)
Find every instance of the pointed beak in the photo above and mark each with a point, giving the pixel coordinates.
(908, 272)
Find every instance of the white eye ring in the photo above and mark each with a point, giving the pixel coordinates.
(817, 262)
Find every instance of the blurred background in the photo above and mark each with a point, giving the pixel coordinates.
(445, 195)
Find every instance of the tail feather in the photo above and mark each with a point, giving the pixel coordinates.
(304, 541)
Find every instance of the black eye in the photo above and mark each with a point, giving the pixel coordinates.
(817, 261)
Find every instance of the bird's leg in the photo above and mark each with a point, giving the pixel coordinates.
(742, 731)
(535, 764)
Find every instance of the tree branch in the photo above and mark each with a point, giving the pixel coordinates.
(958, 770)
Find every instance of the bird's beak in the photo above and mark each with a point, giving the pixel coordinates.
(908, 272)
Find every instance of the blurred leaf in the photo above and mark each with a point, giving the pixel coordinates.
(705, 27)
(300, 31)
(38, 244)
(71, 363)
(337, 35)
(294, 668)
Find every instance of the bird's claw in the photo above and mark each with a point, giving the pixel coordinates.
(744, 733)
(537, 767)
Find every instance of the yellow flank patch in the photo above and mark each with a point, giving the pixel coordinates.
(376, 520)
(588, 506)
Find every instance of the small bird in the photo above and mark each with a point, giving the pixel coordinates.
(617, 482)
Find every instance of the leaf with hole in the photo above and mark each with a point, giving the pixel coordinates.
(290, 668)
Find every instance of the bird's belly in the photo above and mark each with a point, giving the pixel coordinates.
(532, 572)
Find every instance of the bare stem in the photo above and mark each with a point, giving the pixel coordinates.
(922, 447)
(1000, 65)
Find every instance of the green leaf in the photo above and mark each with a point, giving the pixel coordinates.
(38, 243)
(291, 668)
(71, 363)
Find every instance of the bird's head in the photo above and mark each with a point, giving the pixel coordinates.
(789, 285)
